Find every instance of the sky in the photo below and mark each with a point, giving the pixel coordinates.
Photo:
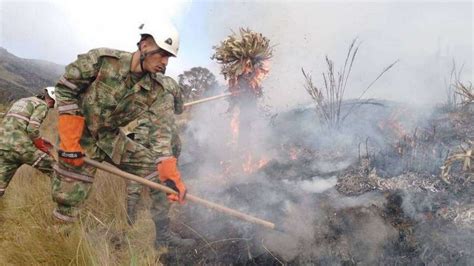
(425, 36)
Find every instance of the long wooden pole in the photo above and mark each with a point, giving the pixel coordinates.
(208, 99)
(189, 197)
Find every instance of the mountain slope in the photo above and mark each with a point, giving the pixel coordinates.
(25, 77)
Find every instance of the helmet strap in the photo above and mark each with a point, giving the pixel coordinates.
(142, 58)
(143, 55)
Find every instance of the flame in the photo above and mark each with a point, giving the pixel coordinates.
(262, 162)
(253, 75)
(259, 74)
(250, 79)
(393, 124)
(247, 165)
(250, 166)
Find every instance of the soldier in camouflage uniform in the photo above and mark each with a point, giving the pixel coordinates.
(145, 132)
(20, 142)
(119, 107)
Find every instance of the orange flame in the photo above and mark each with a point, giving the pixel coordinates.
(259, 74)
(247, 165)
(394, 125)
(253, 74)
(262, 163)
(250, 166)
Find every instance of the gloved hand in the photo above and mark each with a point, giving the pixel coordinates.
(70, 129)
(170, 176)
(43, 145)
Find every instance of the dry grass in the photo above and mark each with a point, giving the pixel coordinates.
(463, 156)
(3, 109)
(328, 98)
(465, 92)
(459, 94)
(29, 235)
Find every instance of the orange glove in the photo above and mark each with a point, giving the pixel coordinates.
(43, 145)
(70, 129)
(170, 176)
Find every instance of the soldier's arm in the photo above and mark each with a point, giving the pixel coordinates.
(163, 116)
(38, 113)
(77, 77)
(162, 124)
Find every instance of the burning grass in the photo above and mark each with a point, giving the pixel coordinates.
(405, 219)
(337, 203)
(382, 205)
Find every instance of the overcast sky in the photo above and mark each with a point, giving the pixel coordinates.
(425, 36)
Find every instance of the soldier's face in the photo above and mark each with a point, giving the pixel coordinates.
(156, 62)
(49, 101)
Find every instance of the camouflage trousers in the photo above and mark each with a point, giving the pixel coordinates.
(71, 185)
(11, 160)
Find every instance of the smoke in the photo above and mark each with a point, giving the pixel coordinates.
(425, 36)
(295, 187)
(296, 193)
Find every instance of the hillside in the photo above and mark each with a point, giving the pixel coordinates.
(21, 77)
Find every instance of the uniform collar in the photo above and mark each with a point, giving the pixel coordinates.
(144, 82)
(158, 77)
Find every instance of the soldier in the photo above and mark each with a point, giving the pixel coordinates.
(100, 95)
(146, 131)
(20, 142)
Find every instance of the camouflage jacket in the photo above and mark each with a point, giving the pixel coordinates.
(98, 85)
(22, 122)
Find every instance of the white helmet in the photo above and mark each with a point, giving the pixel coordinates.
(165, 35)
(50, 91)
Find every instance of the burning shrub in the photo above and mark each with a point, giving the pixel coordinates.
(244, 58)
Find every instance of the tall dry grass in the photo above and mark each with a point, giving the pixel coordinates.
(329, 97)
(465, 91)
(30, 236)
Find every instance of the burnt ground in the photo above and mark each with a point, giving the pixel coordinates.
(375, 197)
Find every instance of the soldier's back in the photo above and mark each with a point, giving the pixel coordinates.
(15, 122)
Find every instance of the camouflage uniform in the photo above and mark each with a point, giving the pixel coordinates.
(148, 131)
(20, 126)
(118, 108)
